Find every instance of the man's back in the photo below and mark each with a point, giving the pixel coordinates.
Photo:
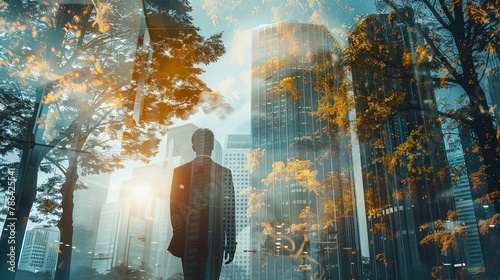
(202, 210)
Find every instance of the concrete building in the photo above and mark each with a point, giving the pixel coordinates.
(237, 147)
(40, 250)
(110, 243)
(122, 235)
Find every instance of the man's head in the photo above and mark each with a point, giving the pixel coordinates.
(203, 141)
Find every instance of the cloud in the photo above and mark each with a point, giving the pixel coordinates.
(240, 47)
(246, 77)
(228, 88)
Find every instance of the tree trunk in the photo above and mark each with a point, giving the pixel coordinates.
(482, 125)
(19, 210)
(65, 224)
(23, 195)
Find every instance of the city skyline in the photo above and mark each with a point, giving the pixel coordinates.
(353, 153)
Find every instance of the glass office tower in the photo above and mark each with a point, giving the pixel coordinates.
(403, 160)
(284, 94)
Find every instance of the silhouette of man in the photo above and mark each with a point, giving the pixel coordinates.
(202, 212)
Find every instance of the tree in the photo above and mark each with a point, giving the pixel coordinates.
(391, 67)
(460, 38)
(414, 166)
(19, 74)
(91, 103)
(291, 238)
(435, 61)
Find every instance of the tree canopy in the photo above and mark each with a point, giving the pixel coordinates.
(110, 86)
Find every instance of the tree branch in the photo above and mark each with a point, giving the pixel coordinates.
(438, 17)
(57, 163)
(440, 55)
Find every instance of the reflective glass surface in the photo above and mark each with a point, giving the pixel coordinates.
(274, 139)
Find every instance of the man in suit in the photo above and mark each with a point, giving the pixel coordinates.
(202, 212)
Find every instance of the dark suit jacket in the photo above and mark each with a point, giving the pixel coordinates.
(202, 199)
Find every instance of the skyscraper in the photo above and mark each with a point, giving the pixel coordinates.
(402, 153)
(125, 234)
(235, 158)
(284, 94)
(471, 185)
(88, 203)
(40, 250)
(110, 241)
(494, 84)
(466, 214)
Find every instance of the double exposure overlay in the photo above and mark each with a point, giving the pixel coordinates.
(342, 139)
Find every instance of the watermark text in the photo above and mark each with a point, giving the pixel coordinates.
(11, 218)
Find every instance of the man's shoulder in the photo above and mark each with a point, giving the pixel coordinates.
(223, 168)
(184, 167)
(187, 166)
(225, 171)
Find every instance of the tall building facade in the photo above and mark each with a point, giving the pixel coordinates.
(402, 154)
(40, 250)
(110, 241)
(235, 152)
(283, 97)
(494, 84)
(86, 213)
(144, 191)
(466, 211)
(477, 259)
(128, 228)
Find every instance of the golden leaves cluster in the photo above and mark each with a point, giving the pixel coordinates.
(255, 200)
(254, 159)
(379, 108)
(335, 105)
(445, 233)
(287, 86)
(294, 170)
(486, 225)
(103, 10)
(381, 258)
